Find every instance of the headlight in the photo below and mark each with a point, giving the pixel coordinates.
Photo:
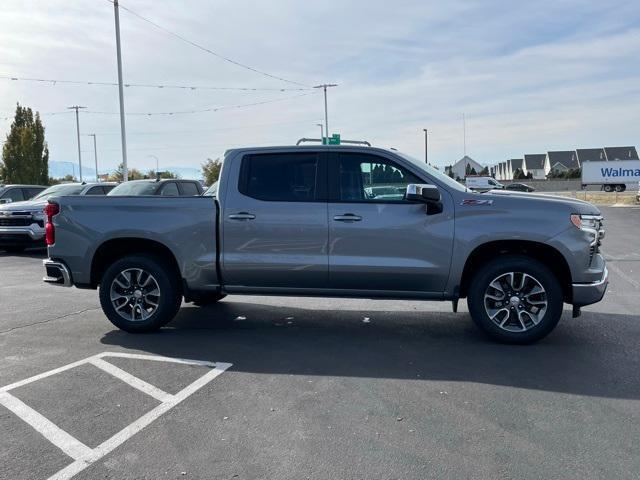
(587, 222)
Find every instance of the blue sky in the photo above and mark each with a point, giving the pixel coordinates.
(529, 76)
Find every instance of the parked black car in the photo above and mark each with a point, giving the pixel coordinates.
(165, 188)
(520, 187)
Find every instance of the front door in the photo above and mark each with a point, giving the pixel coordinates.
(377, 239)
(275, 222)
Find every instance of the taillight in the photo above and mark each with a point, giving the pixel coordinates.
(51, 210)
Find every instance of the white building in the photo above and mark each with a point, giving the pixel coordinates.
(536, 164)
(459, 168)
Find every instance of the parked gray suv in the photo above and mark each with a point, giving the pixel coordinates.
(333, 222)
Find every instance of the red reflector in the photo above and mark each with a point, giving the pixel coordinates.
(50, 211)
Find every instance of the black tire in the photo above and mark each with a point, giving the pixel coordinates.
(608, 188)
(168, 300)
(620, 188)
(204, 300)
(531, 332)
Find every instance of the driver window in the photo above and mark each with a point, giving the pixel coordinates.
(369, 178)
(170, 190)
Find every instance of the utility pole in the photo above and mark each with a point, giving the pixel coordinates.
(321, 131)
(326, 114)
(426, 147)
(123, 134)
(464, 143)
(95, 153)
(76, 108)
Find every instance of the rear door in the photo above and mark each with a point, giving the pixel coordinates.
(275, 221)
(377, 239)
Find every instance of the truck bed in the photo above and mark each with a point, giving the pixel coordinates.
(186, 226)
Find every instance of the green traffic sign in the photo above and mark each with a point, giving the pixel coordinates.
(334, 139)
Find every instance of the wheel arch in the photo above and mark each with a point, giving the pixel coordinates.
(114, 249)
(542, 252)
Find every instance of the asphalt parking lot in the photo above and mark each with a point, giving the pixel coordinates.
(317, 388)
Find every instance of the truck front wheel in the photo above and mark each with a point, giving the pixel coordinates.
(140, 293)
(515, 299)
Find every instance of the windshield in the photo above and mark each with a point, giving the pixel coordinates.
(134, 188)
(212, 191)
(440, 176)
(64, 189)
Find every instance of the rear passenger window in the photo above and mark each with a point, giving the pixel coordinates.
(280, 177)
(170, 190)
(31, 192)
(95, 191)
(189, 189)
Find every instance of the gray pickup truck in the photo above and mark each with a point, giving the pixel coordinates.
(312, 221)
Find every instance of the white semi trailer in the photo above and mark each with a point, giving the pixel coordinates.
(611, 176)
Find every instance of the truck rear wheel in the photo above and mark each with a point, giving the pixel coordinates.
(140, 293)
(515, 299)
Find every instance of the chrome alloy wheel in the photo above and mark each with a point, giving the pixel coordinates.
(515, 301)
(135, 294)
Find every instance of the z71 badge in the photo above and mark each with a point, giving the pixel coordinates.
(470, 202)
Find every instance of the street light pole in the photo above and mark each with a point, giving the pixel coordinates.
(76, 108)
(123, 134)
(157, 163)
(321, 131)
(326, 113)
(426, 149)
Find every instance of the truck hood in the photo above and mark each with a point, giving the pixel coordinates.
(27, 205)
(580, 205)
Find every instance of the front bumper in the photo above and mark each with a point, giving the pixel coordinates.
(33, 235)
(57, 273)
(588, 293)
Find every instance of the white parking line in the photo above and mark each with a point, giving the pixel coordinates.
(83, 455)
(49, 430)
(129, 379)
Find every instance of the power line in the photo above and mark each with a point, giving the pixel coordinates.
(207, 50)
(54, 82)
(204, 110)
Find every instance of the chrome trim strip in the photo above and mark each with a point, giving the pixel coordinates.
(597, 283)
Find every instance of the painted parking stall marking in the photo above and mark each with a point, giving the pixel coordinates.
(83, 455)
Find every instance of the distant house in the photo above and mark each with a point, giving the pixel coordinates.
(591, 155)
(459, 168)
(562, 161)
(536, 165)
(620, 153)
(515, 164)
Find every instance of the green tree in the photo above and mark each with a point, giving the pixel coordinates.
(484, 171)
(25, 155)
(169, 175)
(211, 170)
(118, 175)
(519, 174)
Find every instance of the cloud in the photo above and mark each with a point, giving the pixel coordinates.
(529, 76)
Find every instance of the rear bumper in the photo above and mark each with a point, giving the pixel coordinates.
(57, 273)
(588, 293)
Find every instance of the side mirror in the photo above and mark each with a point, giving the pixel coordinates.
(428, 194)
(423, 193)
(5, 200)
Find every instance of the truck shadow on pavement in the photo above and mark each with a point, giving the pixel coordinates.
(595, 355)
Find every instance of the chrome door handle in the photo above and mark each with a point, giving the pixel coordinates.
(242, 216)
(347, 217)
